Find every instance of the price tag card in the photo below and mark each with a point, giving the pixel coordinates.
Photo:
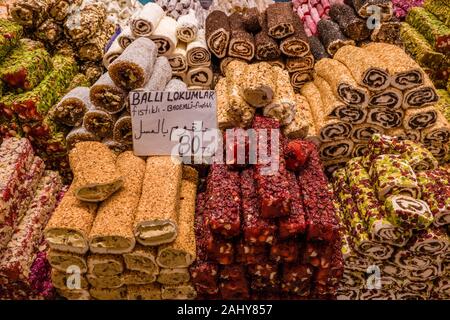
(173, 123)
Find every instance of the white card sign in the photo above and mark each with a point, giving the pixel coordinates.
(172, 122)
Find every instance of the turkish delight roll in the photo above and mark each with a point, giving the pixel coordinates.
(156, 216)
(30, 13)
(165, 36)
(115, 146)
(178, 292)
(342, 82)
(266, 48)
(69, 227)
(83, 23)
(178, 59)
(65, 281)
(62, 261)
(137, 278)
(418, 156)
(385, 118)
(296, 45)
(173, 276)
(317, 49)
(133, 68)
(225, 119)
(435, 31)
(105, 265)
(305, 63)
(440, 9)
(224, 201)
(122, 129)
(331, 36)
(105, 282)
(283, 103)
(352, 26)
(99, 122)
(218, 33)
(367, 69)
(142, 259)
(422, 96)
(299, 78)
(125, 38)
(109, 294)
(294, 224)
(18, 255)
(252, 20)
(79, 134)
(182, 252)
(200, 76)
(407, 212)
(188, 27)
(94, 168)
(104, 94)
(151, 291)
(280, 20)
(433, 241)
(439, 133)
(145, 21)
(197, 53)
(112, 231)
(365, 8)
(72, 107)
(242, 44)
(299, 127)
(405, 72)
(417, 119)
(162, 73)
(258, 84)
(390, 98)
(410, 261)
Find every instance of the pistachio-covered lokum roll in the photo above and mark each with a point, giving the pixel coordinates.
(72, 107)
(407, 212)
(95, 172)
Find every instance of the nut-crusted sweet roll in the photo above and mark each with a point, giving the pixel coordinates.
(106, 95)
(104, 265)
(61, 261)
(142, 259)
(150, 291)
(173, 276)
(178, 292)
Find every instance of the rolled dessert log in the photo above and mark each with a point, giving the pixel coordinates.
(359, 150)
(182, 76)
(122, 132)
(197, 53)
(387, 32)
(417, 119)
(305, 63)
(242, 43)
(93, 49)
(297, 44)
(49, 31)
(405, 72)
(79, 80)
(74, 294)
(218, 33)
(60, 9)
(407, 212)
(342, 82)
(422, 96)
(156, 216)
(258, 84)
(94, 169)
(299, 78)
(30, 13)
(106, 282)
(62, 261)
(125, 38)
(439, 133)
(115, 146)
(225, 118)
(341, 148)
(61, 281)
(280, 20)
(144, 22)
(142, 259)
(182, 252)
(105, 95)
(99, 122)
(173, 276)
(317, 48)
(390, 98)
(402, 134)
(439, 150)
(266, 48)
(112, 54)
(313, 131)
(178, 292)
(83, 23)
(133, 68)
(112, 231)
(385, 118)
(367, 69)
(72, 107)
(165, 36)
(176, 85)
(298, 128)
(334, 108)
(331, 166)
(363, 132)
(188, 26)
(91, 70)
(151, 291)
(137, 278)
(351, 25)
(78, 134)
(252, 19)
(109, 294)
(365, 9)
(279, 62)
(331, 36)
(199, 76)
(283, 103)
(162, 73)
(69, 227)
(328, 129)
(105, 265)
(178, 59)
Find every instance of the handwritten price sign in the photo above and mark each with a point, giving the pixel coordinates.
(174, 123)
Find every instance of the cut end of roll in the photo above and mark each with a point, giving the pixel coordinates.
(156, 233)
(98, 192)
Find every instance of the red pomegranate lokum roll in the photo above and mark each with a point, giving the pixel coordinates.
(294, 224)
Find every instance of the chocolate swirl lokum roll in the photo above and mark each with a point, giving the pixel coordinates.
(299, 78)
(178, 59)
(296, 45)
(332, 37)
(145, 22)
(305, 63)
(416, 119)
(336, 149)
(367, 69)
(188, 26)
(385, 118)
(104, 94)
(133, 68)
(218, 33)
(359, 150)
(72, 107)
(242, 44)
(410, 261)
(125, 38)
(197, 53)
(365, 9)
(429, 242)
(342, 82)
(200, 76)
(352, 26)
(439, 133)
(363, 132)
(422, 96)
(165, 36)
(280, 20)
(390, 98)
(317, 48)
